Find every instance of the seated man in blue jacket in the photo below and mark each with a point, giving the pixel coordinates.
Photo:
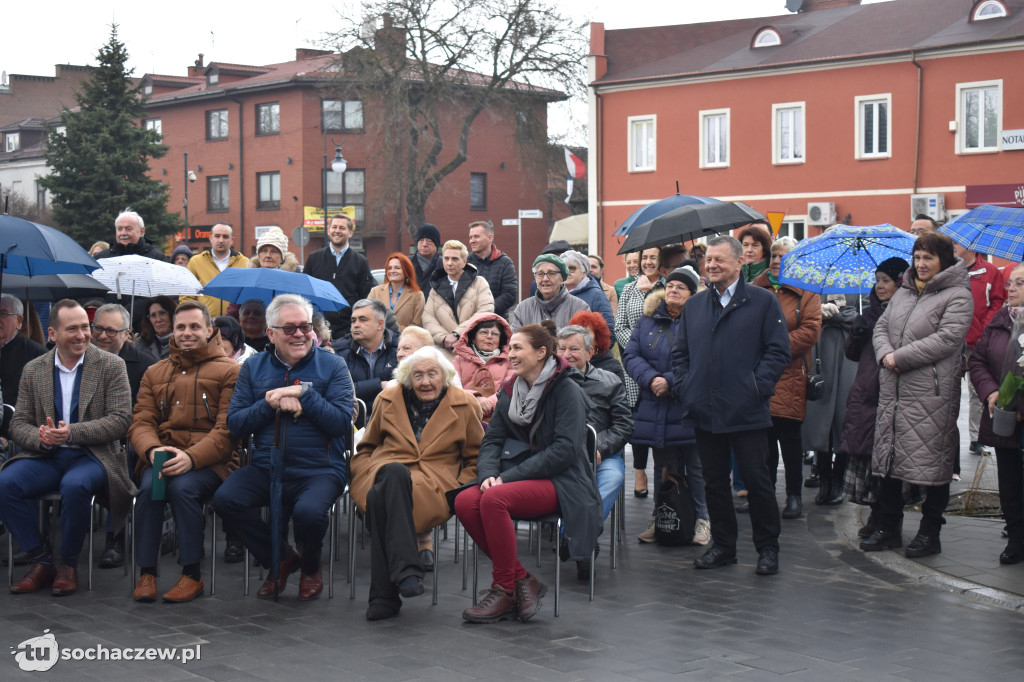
(313, 390)
(371, 350)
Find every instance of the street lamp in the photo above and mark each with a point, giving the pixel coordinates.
(338, 165)
(190, 177)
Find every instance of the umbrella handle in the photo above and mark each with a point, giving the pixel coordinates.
(277, 428)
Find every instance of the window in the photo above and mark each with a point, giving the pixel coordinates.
(767, 37)
(792, 228)
(874, 127)
(788, 133)
(12, 142)
(342, 116)
(478, 191)
(642, 141)
(217, 198)
(154, 124)
(991, 9)
(268, 118)
(61, 130)
(347, 189)
(269, 187)
(217, 124)
(979, 114)
(212, 77)
(714, 138)
(147, 88)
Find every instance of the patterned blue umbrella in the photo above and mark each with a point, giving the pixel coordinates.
(843, 259)
(646, 214)
(989, 230)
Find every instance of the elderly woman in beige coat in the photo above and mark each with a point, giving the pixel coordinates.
(919, 342)
(456, 294)
(422, 441)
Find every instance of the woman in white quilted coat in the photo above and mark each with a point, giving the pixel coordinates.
(919, 343)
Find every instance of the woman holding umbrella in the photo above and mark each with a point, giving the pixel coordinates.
(919, 341)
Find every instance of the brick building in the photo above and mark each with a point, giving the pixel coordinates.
(841, 112)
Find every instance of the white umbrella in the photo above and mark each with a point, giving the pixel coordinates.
(145, 277)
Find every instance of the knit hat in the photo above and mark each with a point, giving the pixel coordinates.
(894, 267)
(687, 275)
(181, 248)
(554, 260)
(582, 262)
(429, 231)
(274, 237)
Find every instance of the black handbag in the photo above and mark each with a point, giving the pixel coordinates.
(513, 453)
(815, 382)
(675, 513)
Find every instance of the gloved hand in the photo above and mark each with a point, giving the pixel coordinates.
(859, 328)
(829, 310)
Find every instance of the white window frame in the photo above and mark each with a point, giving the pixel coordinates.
(631, 123)
(791, 224)
(858, 113)
(980, 13)
(767, 37)
(776, 157)
(12, 142)
(961, 129)
(155, 124)
(703, 117)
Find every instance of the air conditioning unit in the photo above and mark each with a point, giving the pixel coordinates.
(821, 212)
(931, 205)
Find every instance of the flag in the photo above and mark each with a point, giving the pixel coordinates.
(577, 169)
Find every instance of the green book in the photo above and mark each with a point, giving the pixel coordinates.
(159, 490)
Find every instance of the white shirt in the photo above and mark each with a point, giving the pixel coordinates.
(67, 384)
(221, 263)
(727, 295)
(454, 283)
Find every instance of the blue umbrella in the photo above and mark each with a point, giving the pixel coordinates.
(28, 248)
(990, 230)
(240, 284)
(646, 214)
(843, 259)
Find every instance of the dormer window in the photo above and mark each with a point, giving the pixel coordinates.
(988, 9)
(212, 77)
(147, 87)
(767, 37)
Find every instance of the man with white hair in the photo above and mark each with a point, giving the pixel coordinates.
(582, 284)
(312, 389)
(16, 349)
(130, 238)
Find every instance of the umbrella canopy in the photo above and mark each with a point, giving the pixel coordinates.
(689, 222)
(140, 276)
(646, 214)
(843, 259)
(572, 229)
(989, 230)
(53, 287)
(28, 248)
(240, 284)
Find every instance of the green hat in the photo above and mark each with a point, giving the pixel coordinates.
(554, 260)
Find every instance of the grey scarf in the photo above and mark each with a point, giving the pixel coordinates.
(523, 407)
(549, 307)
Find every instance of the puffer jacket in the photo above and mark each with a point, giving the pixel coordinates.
(657, 421)
(986, 371)
(589, 289)
(500, 273)
(862, 401)
(989, 295)
(478, 377)
(143, 247)
(445, 312)
(205, 268)
(558, 439)
(183, 402)
(314, 444)
(608, 414)
(790, 399)
(916, 437)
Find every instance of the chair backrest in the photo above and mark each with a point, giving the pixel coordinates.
(5, 424)
(592, 448)
(359, 414)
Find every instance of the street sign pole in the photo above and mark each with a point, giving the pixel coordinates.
(524, 213)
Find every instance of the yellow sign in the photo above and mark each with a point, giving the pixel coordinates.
(775, 220)
(313, 216)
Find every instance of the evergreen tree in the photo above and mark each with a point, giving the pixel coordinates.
(100, 162)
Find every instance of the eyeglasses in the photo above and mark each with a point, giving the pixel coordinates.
(572, 268)
(290, 329)
(489, 332)
(1014, 284)
(108, 331)
(4, 313)
(547, 274)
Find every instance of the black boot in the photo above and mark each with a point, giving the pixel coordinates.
(113, 551)
(924, 544)
(794, 507)
(812, 480)
(837, 483)
(824, 491)
(869, 526)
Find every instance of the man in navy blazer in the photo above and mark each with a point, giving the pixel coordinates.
(730, 351)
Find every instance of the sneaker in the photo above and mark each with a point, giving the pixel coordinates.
(647, 535)
(702, 532)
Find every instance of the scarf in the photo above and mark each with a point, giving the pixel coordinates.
(549, 307)
(752, 270)
(485, 355)
(774, 280)
(420, 412)
(523, 407)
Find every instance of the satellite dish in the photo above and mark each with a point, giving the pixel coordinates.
(794, 5)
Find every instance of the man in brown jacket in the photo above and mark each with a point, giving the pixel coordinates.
(182, 409)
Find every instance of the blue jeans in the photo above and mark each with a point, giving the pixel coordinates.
(610, 474)
(186, 494)
(307, 500)
(75, 473)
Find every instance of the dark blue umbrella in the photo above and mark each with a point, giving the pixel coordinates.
(238, 285)
(843, 259)
(276, 486)
(647, 213)
(28, 248)
(989, 230)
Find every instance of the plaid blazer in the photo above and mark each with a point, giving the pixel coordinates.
(104, 409)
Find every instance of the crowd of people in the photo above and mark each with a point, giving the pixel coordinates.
(478, 406)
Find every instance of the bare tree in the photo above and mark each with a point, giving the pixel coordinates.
(436, 65)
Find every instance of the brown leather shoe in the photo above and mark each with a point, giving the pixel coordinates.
(529, 591)
(289, 565)
(145, 589)
(496, 605)
(186, 589)
(66, 581)
(40, 576)
(310, 586)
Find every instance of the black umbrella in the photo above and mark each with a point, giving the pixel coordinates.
(53, 287)
(689, 222)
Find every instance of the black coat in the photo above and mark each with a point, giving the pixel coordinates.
(423, 275)
(13, 358)
(143, 247)
(367, 381)
(351, 277)
(558, 438)
(985, 365)
(724, 372)
(500, 273)
(136, 362)
(858, 435)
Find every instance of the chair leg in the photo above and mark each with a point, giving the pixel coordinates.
(613, 547)
(213, 553)
(465, 556)
(10, 559)
(129, 539)
(537, 533)
(92, 529)
(332, 516)
(247, 560)
(456, 559)
(593, 569)
(437, 557)
(476, 572)
(558, 568)
(352, 553)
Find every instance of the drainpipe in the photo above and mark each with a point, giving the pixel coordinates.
(917, 124)
(241, 180)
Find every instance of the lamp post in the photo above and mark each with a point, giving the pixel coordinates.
(190, 177)
(338, 165)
